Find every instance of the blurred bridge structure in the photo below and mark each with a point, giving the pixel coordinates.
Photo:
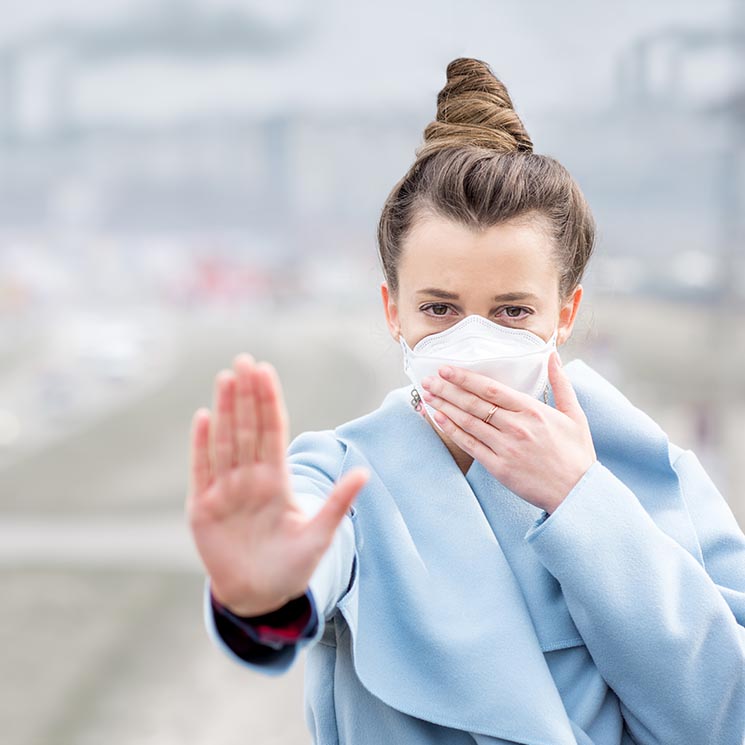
(664, 95)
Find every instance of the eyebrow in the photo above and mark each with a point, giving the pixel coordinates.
(506, 297)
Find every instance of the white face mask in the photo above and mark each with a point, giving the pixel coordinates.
(515, 357)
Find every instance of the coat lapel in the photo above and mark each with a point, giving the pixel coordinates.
(636, 450)
(627, 442)
(439, 624)
(510, 517)
(451, 611)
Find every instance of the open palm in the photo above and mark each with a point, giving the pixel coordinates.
(257, 544)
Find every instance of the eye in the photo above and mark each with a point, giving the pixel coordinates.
(515, 312)
(436, 309)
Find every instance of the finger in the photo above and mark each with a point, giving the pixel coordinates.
(200, 457)
(326, 520)
(245, 409)
(437, 390)
(483, 431)
(272, 428)
(487, 388)
(223, 449)
(564, 395)
(472, 445)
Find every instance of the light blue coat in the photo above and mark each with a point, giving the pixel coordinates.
(454, 612)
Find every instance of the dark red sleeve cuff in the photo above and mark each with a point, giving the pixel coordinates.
(256, 635)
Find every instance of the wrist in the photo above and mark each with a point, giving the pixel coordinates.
(553, 503)
(245, 609)
(275, 616)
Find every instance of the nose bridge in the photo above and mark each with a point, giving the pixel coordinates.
(468, 312)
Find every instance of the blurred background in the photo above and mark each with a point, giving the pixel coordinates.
(183, 180)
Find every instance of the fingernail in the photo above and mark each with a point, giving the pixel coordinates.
(446, 371)
(426, 382)
(243, 360)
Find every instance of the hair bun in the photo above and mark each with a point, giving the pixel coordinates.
(474, 108)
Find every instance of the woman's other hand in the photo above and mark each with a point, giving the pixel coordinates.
(257, 545)
(536, 451)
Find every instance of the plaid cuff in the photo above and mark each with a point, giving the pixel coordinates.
(295, 620)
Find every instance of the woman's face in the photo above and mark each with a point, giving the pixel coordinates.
(506, 273)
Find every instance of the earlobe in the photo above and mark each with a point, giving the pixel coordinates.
(568, 315)
(390, 310)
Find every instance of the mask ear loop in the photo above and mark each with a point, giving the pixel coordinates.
(416, 400)
(551, 341)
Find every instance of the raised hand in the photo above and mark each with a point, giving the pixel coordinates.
(536, 451)
(257, 544)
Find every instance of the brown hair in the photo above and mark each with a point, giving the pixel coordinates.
(477, 167)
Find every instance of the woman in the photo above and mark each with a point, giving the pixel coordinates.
(527, 559)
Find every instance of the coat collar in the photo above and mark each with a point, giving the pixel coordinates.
(440, 627)
(443, 627)
(636, 449)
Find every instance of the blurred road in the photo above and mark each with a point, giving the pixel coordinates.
(101, 638)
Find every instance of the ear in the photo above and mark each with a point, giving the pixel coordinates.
(391, 311)
(568, 315)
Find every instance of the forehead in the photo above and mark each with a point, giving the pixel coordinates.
(443, 253)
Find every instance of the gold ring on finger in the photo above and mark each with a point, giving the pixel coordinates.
(489, 415)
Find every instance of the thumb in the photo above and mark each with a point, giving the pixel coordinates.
(338, 502)
(564, 395)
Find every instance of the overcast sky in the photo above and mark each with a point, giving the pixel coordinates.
(551, 55)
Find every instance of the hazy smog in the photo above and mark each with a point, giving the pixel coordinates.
(181, 181)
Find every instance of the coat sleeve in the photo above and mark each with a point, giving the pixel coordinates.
(666, 633)
(315, 461)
